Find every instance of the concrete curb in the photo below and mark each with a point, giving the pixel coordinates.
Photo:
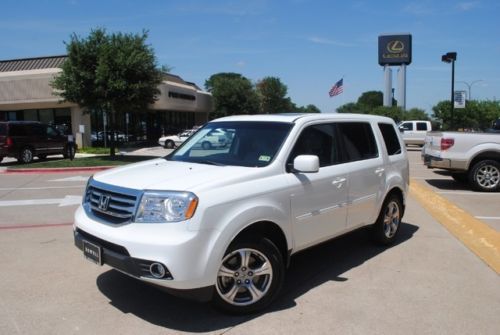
(56, 170)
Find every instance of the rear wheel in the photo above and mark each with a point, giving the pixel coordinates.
(249, 277)
(388, 222)
(485, 176)
(169, 144)
(206, 145)
(26, 155)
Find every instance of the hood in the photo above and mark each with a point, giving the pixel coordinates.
(160, 174)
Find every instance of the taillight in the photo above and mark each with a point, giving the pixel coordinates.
(9, 142)
(447, 143)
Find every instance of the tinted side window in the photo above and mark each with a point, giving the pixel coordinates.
(317, 140)
(421, 126)
(407, 125)
(358, 139)
(39, 130)
(3, 129)
(51, 132)
(390, 138)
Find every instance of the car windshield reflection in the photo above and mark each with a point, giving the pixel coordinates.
(243, 143)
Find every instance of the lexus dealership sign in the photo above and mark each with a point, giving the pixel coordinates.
(394, 49)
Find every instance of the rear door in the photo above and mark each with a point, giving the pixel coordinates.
(366, 171)
(55, 141)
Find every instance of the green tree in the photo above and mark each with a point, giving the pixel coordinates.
(311, 109)
(371, 99)
(415, 114)
(394, 112)
(351, 107)
(115, 73)
(232, 94)
(272, 93)
(476, 114)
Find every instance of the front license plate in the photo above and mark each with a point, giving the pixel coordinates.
(92, 252)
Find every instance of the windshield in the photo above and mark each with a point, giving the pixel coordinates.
(240, 143)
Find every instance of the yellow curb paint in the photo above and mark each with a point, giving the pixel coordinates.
(480, 238)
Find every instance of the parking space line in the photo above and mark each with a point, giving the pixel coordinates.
(488, 217)
(480, 238)
(467, 193)
(35, 226)
(39, 188)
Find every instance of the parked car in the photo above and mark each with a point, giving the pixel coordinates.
(221, 225)
(172, 141)
(414, 131)
(120, 136)
(25, 140)
(472, 158)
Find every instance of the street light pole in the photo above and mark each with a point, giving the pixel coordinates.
(451, 57)
(469, 85)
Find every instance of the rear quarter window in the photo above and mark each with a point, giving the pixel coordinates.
(3, 129)
(422, 126)
(358, 140)
(391, 139)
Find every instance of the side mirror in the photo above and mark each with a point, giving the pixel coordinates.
(401, 129)
(306, 164)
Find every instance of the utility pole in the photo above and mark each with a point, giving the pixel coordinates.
(451, 57)
(469, 85)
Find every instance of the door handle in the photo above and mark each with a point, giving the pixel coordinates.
(338, 182)
(379, 171)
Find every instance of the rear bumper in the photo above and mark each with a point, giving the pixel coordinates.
(436, 162)
(444, 163)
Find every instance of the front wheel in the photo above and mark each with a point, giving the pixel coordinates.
(485, 176)
(388, 222)
(249, 277)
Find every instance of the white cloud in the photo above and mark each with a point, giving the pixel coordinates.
(241, 63)
(466, 6)
(326, 41)
(417, 8)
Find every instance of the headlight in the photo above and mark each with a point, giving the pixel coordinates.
(159, 207)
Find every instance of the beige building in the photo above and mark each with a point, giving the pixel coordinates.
(26, 94)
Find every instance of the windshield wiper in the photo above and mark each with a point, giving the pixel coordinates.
(209, 162)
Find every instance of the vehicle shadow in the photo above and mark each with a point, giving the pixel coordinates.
(446, 184)
(308, 270)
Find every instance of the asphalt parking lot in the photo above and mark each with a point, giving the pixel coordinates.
(429, 282)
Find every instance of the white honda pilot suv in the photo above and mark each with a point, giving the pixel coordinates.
(221, 223)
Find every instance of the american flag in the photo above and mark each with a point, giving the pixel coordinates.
(337, 88)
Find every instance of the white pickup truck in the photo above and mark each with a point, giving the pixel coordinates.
(471, 157)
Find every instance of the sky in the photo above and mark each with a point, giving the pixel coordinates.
(308, 44)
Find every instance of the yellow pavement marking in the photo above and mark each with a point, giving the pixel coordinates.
(480, 238)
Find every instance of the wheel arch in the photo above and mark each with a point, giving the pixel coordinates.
(485, 155)
(269, 230)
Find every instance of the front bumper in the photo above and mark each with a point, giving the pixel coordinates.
(190, 257)
(118, 257)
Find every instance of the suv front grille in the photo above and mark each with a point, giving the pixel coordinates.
(112, 204)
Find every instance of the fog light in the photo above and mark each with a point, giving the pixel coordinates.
(157, 270)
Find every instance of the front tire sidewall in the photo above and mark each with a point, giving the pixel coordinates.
(269, 249)
(169, 144)
(478, 169)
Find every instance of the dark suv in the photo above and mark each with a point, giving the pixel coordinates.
(26, 139)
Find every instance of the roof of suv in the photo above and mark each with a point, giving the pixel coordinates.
(292, 118)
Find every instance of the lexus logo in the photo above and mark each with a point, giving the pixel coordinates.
(104, 202)
(395, 46)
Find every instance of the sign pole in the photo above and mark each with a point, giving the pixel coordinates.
(388, 86)
(402, 87)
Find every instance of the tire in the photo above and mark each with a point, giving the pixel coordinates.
(26, 155)
(460, 177)
(169, 144)
(42, 157)
(485, 176)
(206, 145)
(238, 289)
(386, 228)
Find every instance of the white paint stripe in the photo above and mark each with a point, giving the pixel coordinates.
(8, 203)
(466, 193)
(38, 188)
(488, 217)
